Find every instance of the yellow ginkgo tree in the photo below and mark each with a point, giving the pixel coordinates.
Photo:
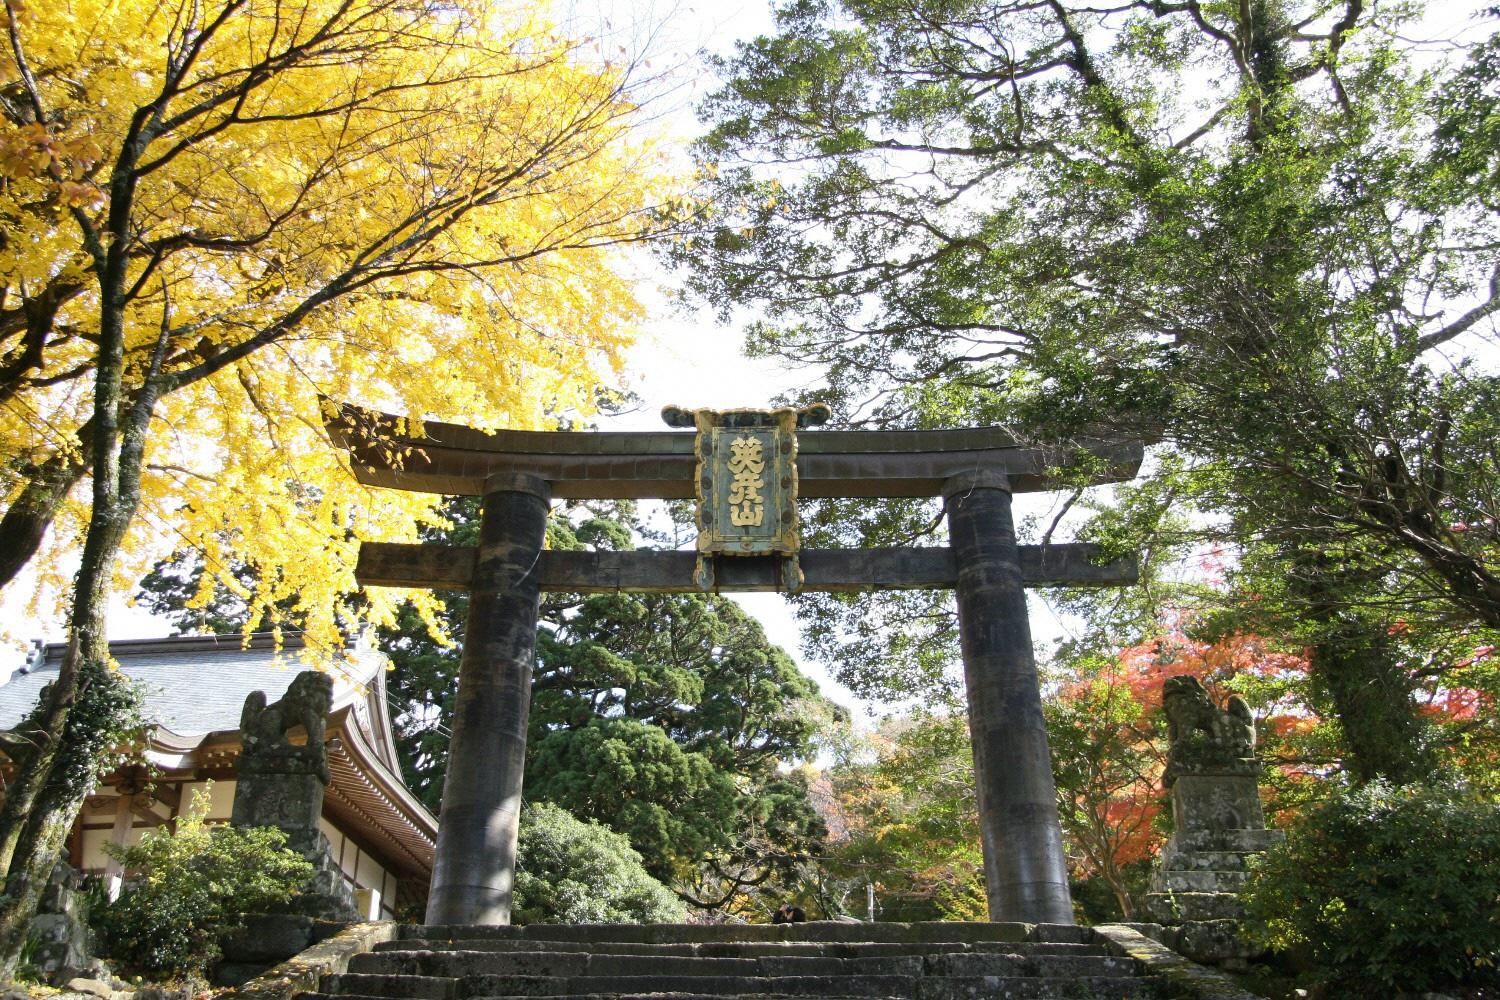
(214, 213)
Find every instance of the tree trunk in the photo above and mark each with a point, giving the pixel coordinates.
(1355, 671)
(29, 516)
(1370, 692)
(116, 457)
(1117, 886)
(26, 825)
(103, 708)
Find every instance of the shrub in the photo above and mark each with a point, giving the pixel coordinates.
(185, 890)
(1387, 889)
(572, 872)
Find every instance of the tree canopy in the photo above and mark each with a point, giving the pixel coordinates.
(573, 872)
(1260, 236)
(217, 216)
(391, 199)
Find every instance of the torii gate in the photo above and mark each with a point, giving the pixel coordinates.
(746, 467)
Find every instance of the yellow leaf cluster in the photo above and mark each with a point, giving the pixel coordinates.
(411, 204)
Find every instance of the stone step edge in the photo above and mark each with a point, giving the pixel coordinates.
(459, 955)
(813, 930)
(593, 966)
(304, 971)
(660, 996)
(619, 996)
(738, 949)
(490, 985)
(1186, 979)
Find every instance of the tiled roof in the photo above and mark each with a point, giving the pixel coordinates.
(195, 684)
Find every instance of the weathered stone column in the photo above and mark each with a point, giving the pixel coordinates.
(476, 848)
(1026, 876)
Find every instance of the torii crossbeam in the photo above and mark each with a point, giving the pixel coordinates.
(748, 468)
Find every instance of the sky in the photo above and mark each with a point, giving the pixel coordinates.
(686, 357)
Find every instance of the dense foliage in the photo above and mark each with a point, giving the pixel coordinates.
(569, 871)
(217, 216)
(277, 203)
(908, 821)
(992, 211)
(186, 889)
(1388, 889)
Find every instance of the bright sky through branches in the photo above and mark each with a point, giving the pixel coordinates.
(685, 356)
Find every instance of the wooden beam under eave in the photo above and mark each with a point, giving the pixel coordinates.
(141, 806)
(449, 567)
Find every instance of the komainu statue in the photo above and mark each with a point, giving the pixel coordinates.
(281, 784)
(1217, 820)
(263, 727)
(1200, 732)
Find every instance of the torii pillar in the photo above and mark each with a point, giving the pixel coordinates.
(1025, 869)
(481, 809)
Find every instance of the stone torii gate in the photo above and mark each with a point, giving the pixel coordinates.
(746, 468)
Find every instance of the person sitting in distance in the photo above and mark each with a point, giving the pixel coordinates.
(789, 914)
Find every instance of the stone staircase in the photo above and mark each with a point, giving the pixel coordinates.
(933, 961)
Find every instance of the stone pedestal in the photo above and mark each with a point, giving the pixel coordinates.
(281, 787)
(281, 784)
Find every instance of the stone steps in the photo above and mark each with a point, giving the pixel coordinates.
(744, 949)
(454, 964)
(824, 959)
(989, 990)
(609, 996)
(916, 987)
(813, 931)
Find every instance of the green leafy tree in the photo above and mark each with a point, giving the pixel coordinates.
(569, 871)
(186, 889)
(1256, 234)
(1389, 889)
(910, 819)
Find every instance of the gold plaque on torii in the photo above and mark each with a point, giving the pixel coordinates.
(746, 484)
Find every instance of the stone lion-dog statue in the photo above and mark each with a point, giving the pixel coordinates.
(1199, 731)
(263, 727)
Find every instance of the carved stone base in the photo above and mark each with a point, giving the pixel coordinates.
(285, 791)
(1209, 802)
(1194, 890)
